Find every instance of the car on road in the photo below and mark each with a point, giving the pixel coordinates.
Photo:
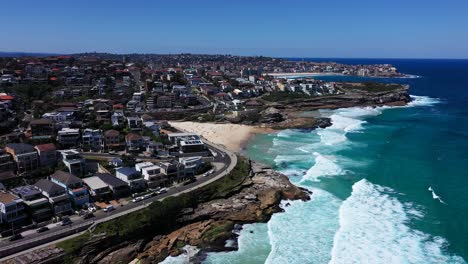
(66, 221)
(163, 190)
(137, 199)
(42, 229)
(15, 237)
(87, 215)
(109, 208)
(147, 196)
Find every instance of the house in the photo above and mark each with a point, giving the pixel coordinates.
(6, 161)
(164, 102)
(12, 210)
(188, 144)
(154, 147)
(38, 207)
(132, 177)
(98, 189)
(134, 142)
(116, 162)
(171, 169)
(68, 137)
(153, 176)
(134, 123)
(47, 154)
(92, 139)
(153, 127)
(117, 118)
(24, 155)
(102, 111)
(8, 178)
(191, 164)
(112, 139)
(74, 186)
(73, 160)
(57, 196)
(141, 165)
(42, 129)
(118, 187)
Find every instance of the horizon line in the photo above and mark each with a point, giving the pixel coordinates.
(37, 54)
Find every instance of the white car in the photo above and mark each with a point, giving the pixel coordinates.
(137, 199)
(109, 208)
(163, 190)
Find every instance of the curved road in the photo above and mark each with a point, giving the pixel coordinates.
(226, 157)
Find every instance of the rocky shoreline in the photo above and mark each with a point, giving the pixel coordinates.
(286, 115)
(211, 224)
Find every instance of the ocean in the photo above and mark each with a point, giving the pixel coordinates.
(389, 183)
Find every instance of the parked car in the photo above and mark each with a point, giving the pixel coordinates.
(137, 199)
(109, 208)
(15, 237)
(42, 229)
(65, 221)
(163, 190)
(87, 215)
(147, 196)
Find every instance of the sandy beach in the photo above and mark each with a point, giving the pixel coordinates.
(232, 136)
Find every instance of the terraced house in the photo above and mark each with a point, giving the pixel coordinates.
(57, 196)
(76, 190)
(24, 155)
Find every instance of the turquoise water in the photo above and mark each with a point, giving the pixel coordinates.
(389, 184)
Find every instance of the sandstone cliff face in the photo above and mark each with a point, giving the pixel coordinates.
(211, 224)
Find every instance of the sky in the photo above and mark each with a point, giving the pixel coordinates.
(289, 28)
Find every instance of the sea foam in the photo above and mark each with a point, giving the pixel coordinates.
(373, 229)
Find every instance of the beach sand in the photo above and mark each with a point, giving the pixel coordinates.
(231, 136)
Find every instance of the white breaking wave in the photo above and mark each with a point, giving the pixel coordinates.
(434, 195)
(189, 252)
(324, 166)
(373, 229)
(423, 101)
(302, 233)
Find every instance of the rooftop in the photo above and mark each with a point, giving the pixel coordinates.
(48, 186)
(95, 182)
(65, 177)
(20, 148)
(111, 180)
(6, 198)
(26, 190)
(46, 147)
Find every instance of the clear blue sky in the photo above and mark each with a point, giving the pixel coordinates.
(292, 28)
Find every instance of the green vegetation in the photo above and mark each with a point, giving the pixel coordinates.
(372, 87)
(31, 92)
(218, 231)
(160, 217)
(284, 96)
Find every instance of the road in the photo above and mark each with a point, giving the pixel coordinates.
(222, 156)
